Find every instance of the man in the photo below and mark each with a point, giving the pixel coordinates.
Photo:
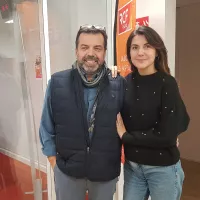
(78, 126)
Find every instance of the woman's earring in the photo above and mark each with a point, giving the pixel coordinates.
(157, 58)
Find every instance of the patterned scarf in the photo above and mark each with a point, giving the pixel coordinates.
(97, 77)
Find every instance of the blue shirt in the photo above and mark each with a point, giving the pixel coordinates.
(47, 130)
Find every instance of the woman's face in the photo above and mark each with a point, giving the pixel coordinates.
(143, 54)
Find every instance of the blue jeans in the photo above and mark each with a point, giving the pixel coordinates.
(161, 183)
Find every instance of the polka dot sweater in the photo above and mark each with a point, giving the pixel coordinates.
(154, 115)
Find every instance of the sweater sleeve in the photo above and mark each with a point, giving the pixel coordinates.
(174, 120)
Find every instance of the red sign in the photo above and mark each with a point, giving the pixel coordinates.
(4, 7)
(125, 21)
(143, 21)
(38, 68)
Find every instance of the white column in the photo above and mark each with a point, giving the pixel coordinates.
(170, 32)
(46, 75)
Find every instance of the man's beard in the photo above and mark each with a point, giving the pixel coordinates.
(90, 64)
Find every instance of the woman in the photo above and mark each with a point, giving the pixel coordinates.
(153, 117)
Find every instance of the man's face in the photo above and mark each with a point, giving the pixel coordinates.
(90, 52)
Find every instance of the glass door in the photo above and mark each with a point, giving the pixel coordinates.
(62, 23)
(22, 166)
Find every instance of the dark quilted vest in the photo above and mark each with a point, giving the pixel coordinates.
(77, 156)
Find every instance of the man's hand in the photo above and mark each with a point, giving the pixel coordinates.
(177, 142)
(52, 160)
(114, 71)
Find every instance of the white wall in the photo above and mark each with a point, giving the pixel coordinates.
(162, 18)
(65, 18)
(155, 9)
(187, 74)
(170, 32)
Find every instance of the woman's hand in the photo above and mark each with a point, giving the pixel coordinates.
(114, 71)
(120, 126)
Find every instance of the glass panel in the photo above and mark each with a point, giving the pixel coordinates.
(22, 165)
(64, 21)
(65, 18)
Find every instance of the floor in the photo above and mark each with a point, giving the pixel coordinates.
(191, 188)
(15, 180)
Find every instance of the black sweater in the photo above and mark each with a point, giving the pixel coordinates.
(154, 115)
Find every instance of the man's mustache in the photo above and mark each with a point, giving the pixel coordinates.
(90, 58)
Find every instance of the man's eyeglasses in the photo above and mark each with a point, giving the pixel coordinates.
(97, 27)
